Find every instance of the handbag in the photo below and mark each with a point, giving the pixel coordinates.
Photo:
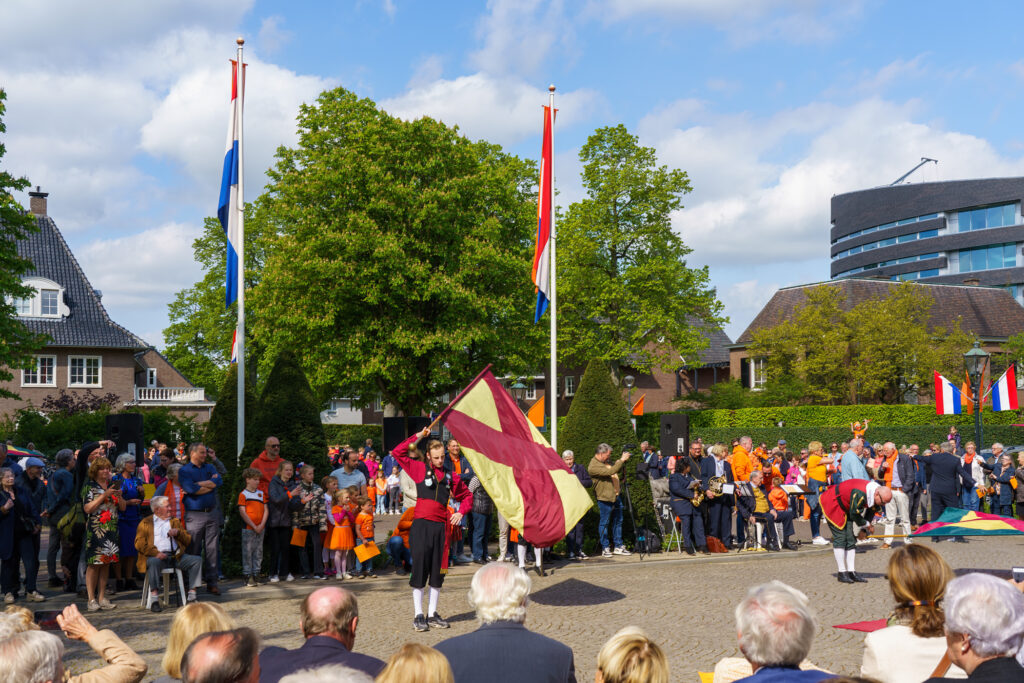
(71, 519)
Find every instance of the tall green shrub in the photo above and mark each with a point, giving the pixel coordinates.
(599, 414)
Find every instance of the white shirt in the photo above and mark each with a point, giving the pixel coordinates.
(896, 481)
(161, 537)
(719, 467)
(895, 655)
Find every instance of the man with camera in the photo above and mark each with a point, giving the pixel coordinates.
(607, 487)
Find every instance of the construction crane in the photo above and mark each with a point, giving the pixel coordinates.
(924, 160)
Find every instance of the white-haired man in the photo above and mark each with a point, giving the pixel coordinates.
(574, 539)
(984, 628)
(161, 541)
(775, 625)
(502, 649)
(898, 472)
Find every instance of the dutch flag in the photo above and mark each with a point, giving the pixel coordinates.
(1004, 391)
(947, 397)
(541, 255)
(229, 207)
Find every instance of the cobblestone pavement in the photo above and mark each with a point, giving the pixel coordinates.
(685, 604)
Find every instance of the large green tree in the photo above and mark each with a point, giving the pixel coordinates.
(17, 342)
(880, 350)
(401, 261)
(624, 287)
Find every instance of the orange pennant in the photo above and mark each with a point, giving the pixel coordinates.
(638, 407)
(536, 413)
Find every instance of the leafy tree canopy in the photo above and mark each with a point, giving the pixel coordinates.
(624, 287)
(401, 258)
(17, 342)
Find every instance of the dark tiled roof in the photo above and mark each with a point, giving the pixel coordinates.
(87, 324)
(988, 312)
(717, 350)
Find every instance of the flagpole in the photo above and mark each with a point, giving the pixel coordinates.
(240, 104)
(554, 297)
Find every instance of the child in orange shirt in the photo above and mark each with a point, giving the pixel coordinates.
(364, 529)
(777, 497)
(343, 537)
(252, 510)
(329, 484)
(382, 493)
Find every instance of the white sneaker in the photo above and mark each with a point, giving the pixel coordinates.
(275, 579)
(582, 555)
(819, 540)
(607, 552)
(621, 550)
(35, 596)
(9, 598)
(290, 577)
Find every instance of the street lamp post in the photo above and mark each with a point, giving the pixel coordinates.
(629, 381)
(518, 391)
(975, 361)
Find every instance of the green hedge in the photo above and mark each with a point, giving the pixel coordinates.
(355, 436)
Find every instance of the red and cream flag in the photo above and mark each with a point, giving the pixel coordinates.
(530, 485)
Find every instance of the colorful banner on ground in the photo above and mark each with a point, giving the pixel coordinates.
(530, 485)
(947, 397)
(1004, 391)
(541, 255)
(957, 522)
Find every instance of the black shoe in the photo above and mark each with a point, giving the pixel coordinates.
(435, 621)
(703, 550)
(540, 570)
(478, 560)
(420, 623)
(789, 545)
(857, 577)
(155, 607)
(844, 577)
(690, 551)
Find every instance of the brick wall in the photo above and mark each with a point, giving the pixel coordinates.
(117, 376)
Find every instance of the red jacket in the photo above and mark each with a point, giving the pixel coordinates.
(435, 511)
(267, 468)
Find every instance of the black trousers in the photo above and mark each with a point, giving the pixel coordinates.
(574, 540)
(280, 549)
(941, 501)
(720, 514)
(426, 544)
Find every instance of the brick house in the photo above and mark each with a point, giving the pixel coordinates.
(87, 350)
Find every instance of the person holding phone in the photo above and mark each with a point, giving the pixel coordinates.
(102, 503)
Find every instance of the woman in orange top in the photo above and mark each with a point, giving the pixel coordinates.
(817, 476)
(343, 537)
(364, 527)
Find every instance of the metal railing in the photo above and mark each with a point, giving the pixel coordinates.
(170, 394)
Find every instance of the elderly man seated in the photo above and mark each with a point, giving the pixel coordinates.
(776, 624)
(502, 649)
(984, 628)
(161, 541)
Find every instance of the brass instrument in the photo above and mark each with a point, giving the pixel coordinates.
(698, 493)
(715, 485)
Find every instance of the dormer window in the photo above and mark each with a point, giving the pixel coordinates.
(47, 302)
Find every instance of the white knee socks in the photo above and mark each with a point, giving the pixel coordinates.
(417, 601)
(840, 558)
(850, 555)
(521, 552)
(435, 593)
(536, 556)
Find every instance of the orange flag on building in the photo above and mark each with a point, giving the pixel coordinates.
(528, 482)
(638, 407)
(536, 413)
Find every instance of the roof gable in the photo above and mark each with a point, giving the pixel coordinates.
(87, 324)
(987, 312)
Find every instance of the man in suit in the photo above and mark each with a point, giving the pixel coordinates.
(328, 618)
(947, 475)
(719, 506)
(983, 617)
(502, 649)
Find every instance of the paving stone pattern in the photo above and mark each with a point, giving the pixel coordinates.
(685, 604)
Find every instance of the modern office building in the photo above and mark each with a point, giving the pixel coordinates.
(954, 232)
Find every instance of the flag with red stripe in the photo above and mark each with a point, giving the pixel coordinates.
(541, 254)
(530, 485)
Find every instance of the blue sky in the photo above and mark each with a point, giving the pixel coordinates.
(771, 107)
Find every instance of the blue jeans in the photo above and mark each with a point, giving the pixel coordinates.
(970, 499)
(814, 502)
(481, 525)
(610, 513)
(399, 553)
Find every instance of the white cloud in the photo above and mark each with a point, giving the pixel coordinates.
(428, 69)
(502, 110)
(517, 35)
(272, 36)
(767, 183)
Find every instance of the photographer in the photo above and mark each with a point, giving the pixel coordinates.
(609, 504)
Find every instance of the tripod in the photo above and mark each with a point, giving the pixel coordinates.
(641, 539)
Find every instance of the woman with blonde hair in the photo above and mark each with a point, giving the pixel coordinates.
(416, 663)
(191, 621)
(631, 657)
(817, 479)
(913, 645)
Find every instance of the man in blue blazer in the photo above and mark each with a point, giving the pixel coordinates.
(328, 618)
(719, 506)
(948, 473)
(502, 650)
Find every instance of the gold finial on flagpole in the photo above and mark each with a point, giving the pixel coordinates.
(240, 40)
(551, 88)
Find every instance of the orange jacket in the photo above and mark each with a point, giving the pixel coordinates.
(741, 467)
(890, 465)
(404, 524)
(778, 498)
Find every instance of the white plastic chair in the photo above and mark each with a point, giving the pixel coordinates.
(165, 598)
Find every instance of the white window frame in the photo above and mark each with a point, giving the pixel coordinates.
(150, 378)
(570, 385)
(378, 404)
(53, 373)
(531, 391)
(758, 377)
(31, 307)
(84, 359)
(56, 302)
(22, 307)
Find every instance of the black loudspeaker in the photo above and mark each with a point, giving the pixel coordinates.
(398, 429)
(125, 430)
(675, 434)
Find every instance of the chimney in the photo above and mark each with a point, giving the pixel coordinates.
(37, 202)
(972, 282)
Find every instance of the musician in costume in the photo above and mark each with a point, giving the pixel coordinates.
(685, 495)
(432, 525)
(715, 471)
(853, 503)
